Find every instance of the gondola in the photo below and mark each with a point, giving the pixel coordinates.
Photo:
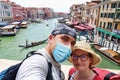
(32, 44)
(110, 54)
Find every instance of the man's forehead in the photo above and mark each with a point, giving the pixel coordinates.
(63, 29)
(68, 36)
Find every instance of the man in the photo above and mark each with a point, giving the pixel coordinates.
(58, 49)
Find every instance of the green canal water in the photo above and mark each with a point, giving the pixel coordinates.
(35, 32)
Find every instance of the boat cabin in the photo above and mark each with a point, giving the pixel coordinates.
(17, 24)
(8, 30)
(23, 24)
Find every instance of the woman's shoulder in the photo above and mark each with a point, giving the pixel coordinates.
(71, 73)
(97, 77)
(105, 74)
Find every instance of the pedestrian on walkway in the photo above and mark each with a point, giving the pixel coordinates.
(58, 49)
(84, 60)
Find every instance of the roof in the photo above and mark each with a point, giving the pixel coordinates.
(87, 26)
(8, 27)
(15, 23)
(24, 23)
(80, 27)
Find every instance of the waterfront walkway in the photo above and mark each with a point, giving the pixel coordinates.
(108, 44)
(4, 63)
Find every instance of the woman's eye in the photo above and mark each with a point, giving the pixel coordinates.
(75, 56)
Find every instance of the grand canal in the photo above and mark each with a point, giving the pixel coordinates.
(35, 32)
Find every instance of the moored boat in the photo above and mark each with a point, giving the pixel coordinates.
(8, 30)
(23, 24)
(110, 54)
(17, 24)
(37, 20)
(2, 24)
(61, 21)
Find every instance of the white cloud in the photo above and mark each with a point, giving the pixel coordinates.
(57, 5)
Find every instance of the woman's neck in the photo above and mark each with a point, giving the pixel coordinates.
(88, 75)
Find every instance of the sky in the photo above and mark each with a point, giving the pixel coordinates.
(56, 5)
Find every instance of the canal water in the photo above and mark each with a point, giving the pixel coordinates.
(35, 32)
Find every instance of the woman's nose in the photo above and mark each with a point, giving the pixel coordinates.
(79, 60)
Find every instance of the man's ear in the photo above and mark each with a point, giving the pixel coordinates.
(50, 37)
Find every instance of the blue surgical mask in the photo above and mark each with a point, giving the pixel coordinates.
(61, 52)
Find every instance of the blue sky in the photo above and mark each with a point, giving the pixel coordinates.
(57, 5)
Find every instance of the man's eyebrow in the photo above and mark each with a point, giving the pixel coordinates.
(65, 36)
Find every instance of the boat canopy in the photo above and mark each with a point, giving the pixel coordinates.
(15, 23)
(8, 27)
(24, 23)
(112, 53)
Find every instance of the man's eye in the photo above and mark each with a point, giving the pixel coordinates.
(64, 39)
(73, 43)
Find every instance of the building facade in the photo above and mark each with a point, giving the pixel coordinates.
(5, 11)
(109, 23)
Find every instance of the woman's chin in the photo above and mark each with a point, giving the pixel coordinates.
(81, 68)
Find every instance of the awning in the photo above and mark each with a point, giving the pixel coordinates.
(79, 27)
(103, 31)
(107, 32)
(89, 27)
(112, 33)
(75, 22)
(82, 25)
(117, 35)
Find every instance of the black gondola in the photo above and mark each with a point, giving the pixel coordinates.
(32, 44)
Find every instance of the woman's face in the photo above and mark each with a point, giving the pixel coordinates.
(81, 60)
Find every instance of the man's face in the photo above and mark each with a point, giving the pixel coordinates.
(65, 39)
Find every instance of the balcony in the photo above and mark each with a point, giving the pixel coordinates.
(116, 20)
(116, 31)
(117, 10)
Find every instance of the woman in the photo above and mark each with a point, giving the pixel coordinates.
(84, 59)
